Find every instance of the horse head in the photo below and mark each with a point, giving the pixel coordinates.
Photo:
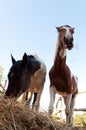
(66, 36)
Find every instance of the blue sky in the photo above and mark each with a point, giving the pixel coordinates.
(29, 26)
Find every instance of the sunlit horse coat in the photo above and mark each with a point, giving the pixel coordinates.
(62, 81)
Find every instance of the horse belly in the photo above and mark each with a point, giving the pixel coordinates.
(37, 81)
(62, 93)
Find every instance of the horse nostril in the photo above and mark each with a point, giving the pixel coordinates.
(64, 39)
(71, 39)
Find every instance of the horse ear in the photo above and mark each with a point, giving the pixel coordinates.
(13, 60)
(58, 29)
(24, 59)
(72, 30)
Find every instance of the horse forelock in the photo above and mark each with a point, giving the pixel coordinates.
(65, 26)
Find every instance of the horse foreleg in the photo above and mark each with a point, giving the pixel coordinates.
(67, 101)
(28, 98)
(52, 99)
(37, 102)
(72, 108)
(34, 99)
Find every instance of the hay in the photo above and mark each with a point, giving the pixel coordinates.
(17, 116)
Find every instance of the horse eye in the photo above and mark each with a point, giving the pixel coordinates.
(11, 74)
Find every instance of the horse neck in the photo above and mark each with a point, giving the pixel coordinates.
(60, 57)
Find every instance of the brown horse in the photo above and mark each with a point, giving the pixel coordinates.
(62, 81)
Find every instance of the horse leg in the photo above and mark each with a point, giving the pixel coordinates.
(23, 97)
(34, 100)
(67, 101)
(28, 97)
(72, 108)
(52, 99)
(37, 99)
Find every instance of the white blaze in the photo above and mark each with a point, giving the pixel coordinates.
(68, 33)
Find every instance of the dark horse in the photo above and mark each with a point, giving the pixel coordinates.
(62, 81)
(26, 75)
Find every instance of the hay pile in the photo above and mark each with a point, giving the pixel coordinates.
(17, 116)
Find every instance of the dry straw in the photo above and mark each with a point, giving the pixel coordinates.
(17, 116)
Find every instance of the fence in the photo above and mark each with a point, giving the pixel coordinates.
(59, 110)
(3, 86)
